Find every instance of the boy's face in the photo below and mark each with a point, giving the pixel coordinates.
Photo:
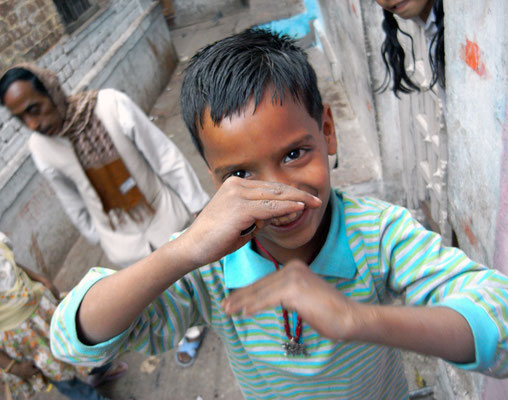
(35, 110)
(276, 144)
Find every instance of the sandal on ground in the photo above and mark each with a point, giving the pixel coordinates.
(117, 370)
(190, 348)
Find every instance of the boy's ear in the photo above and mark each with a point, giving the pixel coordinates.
(328, 129)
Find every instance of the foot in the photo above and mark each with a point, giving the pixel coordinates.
(186, 353)
(117, 370)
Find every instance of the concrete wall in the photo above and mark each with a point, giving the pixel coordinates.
(386, 105)
(139, 63)
(477, 76)
(343, 28)
(126, 46)
(190, 11)
(477, 84)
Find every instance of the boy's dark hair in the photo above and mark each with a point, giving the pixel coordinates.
(394, 56)
(225, 75)
(20, 74)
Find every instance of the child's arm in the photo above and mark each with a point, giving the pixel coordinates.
(22, 369)
(34, 276)
(112, 304)
(467, 317)
(437, 331)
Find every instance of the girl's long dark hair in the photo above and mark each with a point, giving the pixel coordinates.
(393, 54)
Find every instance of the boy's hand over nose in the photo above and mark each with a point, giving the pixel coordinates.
(237, 205)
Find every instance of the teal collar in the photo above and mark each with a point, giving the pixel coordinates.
(245, 266)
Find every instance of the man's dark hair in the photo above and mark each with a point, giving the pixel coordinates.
(225, 75)
(20, 74)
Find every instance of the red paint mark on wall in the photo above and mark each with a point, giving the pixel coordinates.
(469, 233)
(354, 9)
(471, 54)
(369, 107)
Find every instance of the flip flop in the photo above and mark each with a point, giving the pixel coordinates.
(191, 349)
(117, 370)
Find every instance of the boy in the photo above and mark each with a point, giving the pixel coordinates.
(253, 108)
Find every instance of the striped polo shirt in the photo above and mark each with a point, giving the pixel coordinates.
(374, 251)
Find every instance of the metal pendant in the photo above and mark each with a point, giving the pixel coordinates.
(293, 348)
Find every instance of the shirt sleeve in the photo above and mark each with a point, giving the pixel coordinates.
(159, 327)
(162, 154)
(70, 199)
(416, 263)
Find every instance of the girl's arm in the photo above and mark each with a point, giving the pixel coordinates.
(5, 360)
(22, 369)
(34, 276)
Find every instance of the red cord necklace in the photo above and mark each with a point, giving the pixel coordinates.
(292, 347)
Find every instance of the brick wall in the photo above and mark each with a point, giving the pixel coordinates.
(28, 28)
(70, 56)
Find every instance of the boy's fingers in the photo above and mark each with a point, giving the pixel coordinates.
(266, 209)
(263, 190)
(280, 193)
(249, 303)
(251, 299)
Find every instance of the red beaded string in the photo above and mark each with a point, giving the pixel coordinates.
(298, 329)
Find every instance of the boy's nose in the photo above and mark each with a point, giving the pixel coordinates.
(277, 176)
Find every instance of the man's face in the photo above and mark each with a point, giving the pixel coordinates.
(276, 144)
(35, 110)
(408, 8)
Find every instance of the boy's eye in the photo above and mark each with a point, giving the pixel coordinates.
(241, 173)
(294, 155)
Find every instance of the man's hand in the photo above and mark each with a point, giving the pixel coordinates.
(296, 288)
(24, 369)
(237, 205)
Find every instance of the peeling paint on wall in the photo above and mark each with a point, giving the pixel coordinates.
(471, 54)
(297, 26)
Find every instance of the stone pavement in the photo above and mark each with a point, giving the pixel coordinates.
(158, 377)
